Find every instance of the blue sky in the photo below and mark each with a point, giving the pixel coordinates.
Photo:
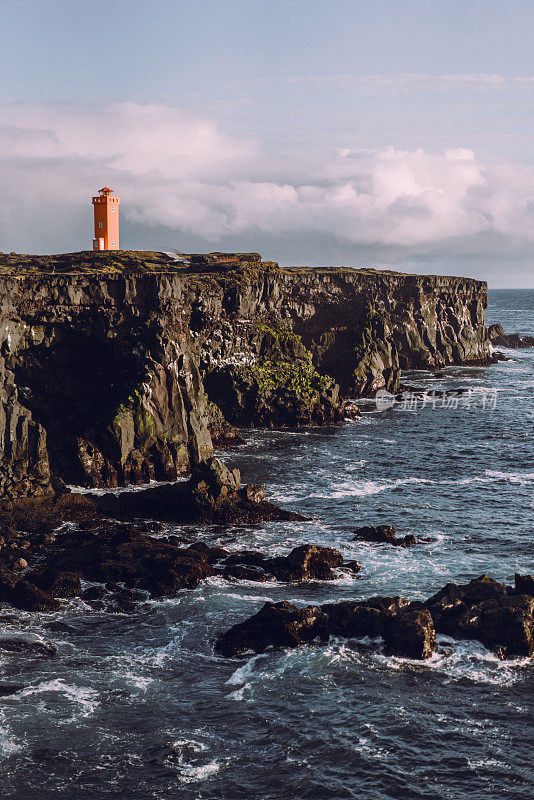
(391, 133)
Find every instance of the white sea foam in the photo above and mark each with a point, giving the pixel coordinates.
(120, 489)
(242, 674)
(185, 755)
(465, 660)
(83, 696)
(364, 488)
(9, 744)
(455, 660)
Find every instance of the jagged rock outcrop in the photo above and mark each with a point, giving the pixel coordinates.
(497, 336)
(407, 631)
(117, 367)
(213, 494)
(499, 616)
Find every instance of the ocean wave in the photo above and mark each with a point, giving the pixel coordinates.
(364, 488)
(9, 743)
(466, 660)
(83, 696)
(455, 660)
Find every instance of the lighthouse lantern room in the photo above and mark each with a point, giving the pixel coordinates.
(106, 211)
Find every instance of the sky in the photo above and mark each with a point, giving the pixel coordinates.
(392, 133)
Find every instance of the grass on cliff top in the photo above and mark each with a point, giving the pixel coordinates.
(124, 262)
(109, 262)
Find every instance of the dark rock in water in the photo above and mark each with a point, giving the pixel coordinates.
(410, 633)
(524, 584)
(29, 597)
(406, 541)
(60, 627)
(500, 617)
(212, 554)
(126, 599)
(407, 631)
(93, 593)
(353, 619)
(305, 562)
(58, 583)
(497, 336)
(380, 533)
(279, 624)
(41, 515)
(490, 612)
(244, 573)
(130, 557)
(384, 534)
(23, 647)
(8, 689)
(212, 495)
(351, 566)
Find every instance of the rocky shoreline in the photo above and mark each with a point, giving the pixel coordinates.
(133, 368)
(128, 565)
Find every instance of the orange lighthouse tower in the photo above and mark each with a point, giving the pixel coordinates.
(106, 208)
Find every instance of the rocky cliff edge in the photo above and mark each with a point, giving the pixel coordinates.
(122, 367)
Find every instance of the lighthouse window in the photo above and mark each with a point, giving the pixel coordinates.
(113, 208)
(100, 224)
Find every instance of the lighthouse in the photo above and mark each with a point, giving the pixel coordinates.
(106, 209)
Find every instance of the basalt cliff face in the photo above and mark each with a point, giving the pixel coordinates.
(121, 367)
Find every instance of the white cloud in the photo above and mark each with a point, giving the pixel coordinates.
(182, 173)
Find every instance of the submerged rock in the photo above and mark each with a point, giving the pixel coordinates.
(23, 647)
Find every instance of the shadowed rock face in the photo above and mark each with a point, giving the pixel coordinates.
(117, 368)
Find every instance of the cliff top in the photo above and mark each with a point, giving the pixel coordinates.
(125, 262)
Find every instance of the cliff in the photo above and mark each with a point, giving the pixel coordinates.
(120, 367)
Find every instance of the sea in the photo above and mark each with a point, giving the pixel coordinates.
(138, 706)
